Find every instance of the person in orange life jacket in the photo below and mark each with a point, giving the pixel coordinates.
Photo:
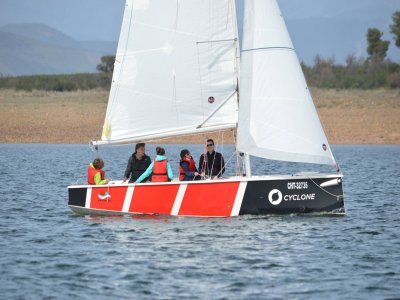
(160, 169)
(212, 164)
(137, 164)
(187, 167)
(96, 174)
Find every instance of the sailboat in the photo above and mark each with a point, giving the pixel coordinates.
(181, 69)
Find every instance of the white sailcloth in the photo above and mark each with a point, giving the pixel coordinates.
(175, 70)
(277, 117)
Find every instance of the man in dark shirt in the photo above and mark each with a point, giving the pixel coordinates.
(137, 164)
(212, 164)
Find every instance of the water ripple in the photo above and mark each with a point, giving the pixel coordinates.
(49, 252)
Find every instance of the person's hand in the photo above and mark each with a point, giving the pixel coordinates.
(123, 180)
(196, 173)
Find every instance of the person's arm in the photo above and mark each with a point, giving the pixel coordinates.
(185, 167)
(169, 171)
(196, 170)
(97, 179)
(146, 173)
(128, 170)
(148, 162)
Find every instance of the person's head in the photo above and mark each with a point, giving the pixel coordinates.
(185, 153)
(140, 147)
(98, 163)
(160, 151)
(210, 145)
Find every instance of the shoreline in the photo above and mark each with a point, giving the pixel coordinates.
(40, 117)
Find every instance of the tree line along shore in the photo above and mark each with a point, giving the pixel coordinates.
(358, 102)
(349, 116)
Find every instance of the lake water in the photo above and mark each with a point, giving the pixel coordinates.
(48, 252)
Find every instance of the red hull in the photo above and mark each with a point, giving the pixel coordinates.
(220, 198)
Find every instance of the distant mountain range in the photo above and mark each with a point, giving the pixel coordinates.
(33, 48)
(338, 28)
(27, 49)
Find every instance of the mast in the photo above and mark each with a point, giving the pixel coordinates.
(237, 68)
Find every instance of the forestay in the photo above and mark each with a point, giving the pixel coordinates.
(175, 70)
(277, 117)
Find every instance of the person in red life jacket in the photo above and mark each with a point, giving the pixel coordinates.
(212, 163)
(96, 174)
(137, 164)
(187, 167)
(160, 169)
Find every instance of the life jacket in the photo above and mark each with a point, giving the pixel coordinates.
(159, 171)
(92, 172)
(192, 167)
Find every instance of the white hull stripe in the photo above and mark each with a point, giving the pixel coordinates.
(239, 199)
(178, 199)
(88, 197)
(128, 199)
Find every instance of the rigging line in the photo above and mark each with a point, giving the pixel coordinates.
(267, 48)
(239, 166)
(222, 150)
(337, 196)
(239, 163)
(217, 109)
(217, 41)
(203, 165)
(228, 161)
(215, 153)
(237, 46)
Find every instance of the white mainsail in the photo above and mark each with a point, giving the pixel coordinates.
(277, 117)
(175, 70)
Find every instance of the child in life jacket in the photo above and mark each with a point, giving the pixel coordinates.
(160, 169)
(96, 174)
(187, 167)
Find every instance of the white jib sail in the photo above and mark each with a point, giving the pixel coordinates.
(277, 117)
(175, 70)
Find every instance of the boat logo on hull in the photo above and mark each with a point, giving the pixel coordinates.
(272, 198)
(105, 196)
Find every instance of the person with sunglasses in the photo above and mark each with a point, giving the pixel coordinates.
(212, 163)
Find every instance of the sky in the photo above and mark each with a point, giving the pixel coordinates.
(101, 19)
(80, 19)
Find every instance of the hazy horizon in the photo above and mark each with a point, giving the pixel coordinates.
(321, 31)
